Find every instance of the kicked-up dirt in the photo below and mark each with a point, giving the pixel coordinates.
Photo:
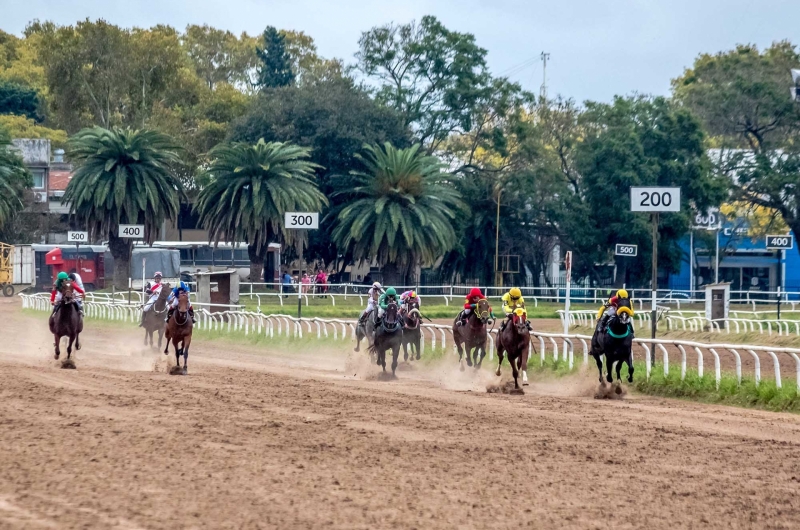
(259, 438)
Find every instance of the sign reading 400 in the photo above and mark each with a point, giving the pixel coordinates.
(131, 231)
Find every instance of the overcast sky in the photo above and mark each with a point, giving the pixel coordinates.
(598, 48)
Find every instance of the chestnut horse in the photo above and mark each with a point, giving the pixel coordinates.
(472, 336)
(515, 340)
(66, 320)
(179, 330)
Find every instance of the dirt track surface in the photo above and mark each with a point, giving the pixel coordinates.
(251, 439)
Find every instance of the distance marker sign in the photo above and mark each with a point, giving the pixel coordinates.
(131, 231)
(782, 242)
(78, 237)
(626, 250)
(655, 199)
(301, 220)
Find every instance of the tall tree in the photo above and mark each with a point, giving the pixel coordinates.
(123, 176)
(400, 213)
(335, 119)
(275, 69)
(249, 189)
(14, 180)
(219, 56)
(433, 76)
(742, 98)
(20, 100)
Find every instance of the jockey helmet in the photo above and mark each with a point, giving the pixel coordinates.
(413, 294)
(515, 293)
(391, 292)
(475, 292)
(62, 276)
(157, 275)
(377, 285)
(622, 293)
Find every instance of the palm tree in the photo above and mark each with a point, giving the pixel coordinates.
(14, 179)
(401, 213)
(123, 176)
(250, 188)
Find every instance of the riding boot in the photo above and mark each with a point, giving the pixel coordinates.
(169, 313)
(601, 323)
(141, 323)
(503, 324)
(462, 319)
(191, 314)
(528, 325)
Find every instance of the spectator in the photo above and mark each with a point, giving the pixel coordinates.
(321, 281)
(287, 284)
(305, 283)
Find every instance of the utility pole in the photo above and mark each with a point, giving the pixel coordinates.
(543, 90)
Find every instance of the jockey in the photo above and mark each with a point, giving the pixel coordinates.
(475, 295)
(372, 298)
(56, 295)
(408, 296)
(512, 301)
(172, 301)
(609, 309)
(383, 302)
(153, 290)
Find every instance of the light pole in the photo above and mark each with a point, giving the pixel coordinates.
(498, 278)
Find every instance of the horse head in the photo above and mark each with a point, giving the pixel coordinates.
(183, 301)
(67, 292)
(519, 320)
(390, 315)
(482, 310)
(413, 317)
(624, 310)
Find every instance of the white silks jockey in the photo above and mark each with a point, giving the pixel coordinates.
(153, 290)
(372, 300)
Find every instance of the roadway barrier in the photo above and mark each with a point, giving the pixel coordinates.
(235, 320)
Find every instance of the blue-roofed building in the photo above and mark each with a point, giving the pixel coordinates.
(745, 263)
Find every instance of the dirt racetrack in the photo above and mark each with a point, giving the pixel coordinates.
(264, 439)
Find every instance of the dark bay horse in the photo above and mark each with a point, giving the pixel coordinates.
(615, 341)
(66, 320)
(155, 319)
(179, 331)
(514, 341)
(388, 335)
(472, 336)
(412, 332)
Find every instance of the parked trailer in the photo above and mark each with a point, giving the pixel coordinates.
(24, 270)
(6, 271)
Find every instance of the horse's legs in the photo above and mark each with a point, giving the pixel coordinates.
(630, 367)
(523, 366)
(599, 365)
(175, 342)
(395, 355)
(57, 344)
(479, 360)
(514, 370)
(69, 346)
(160, 337)
(417, 346)
(609, 368)
(469, 348)
(78, 341)
(405, 350)
(186, 343)
(500, 352)
(619, 367)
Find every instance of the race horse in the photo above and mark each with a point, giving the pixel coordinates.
(365, 329)
(155, 319)
(471, 337)
(179, 331)
(66, 320)
(514, 341)
(388, 336)
(615, 341)
(412, 332)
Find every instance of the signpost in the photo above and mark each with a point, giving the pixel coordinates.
(301, 221)
(711, 221)
(568, 267)
(655, 200)
(133, 232)
(781, 243)
(79, 238)
(630, 251)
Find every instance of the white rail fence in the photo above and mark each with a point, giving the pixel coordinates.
(250, 322)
